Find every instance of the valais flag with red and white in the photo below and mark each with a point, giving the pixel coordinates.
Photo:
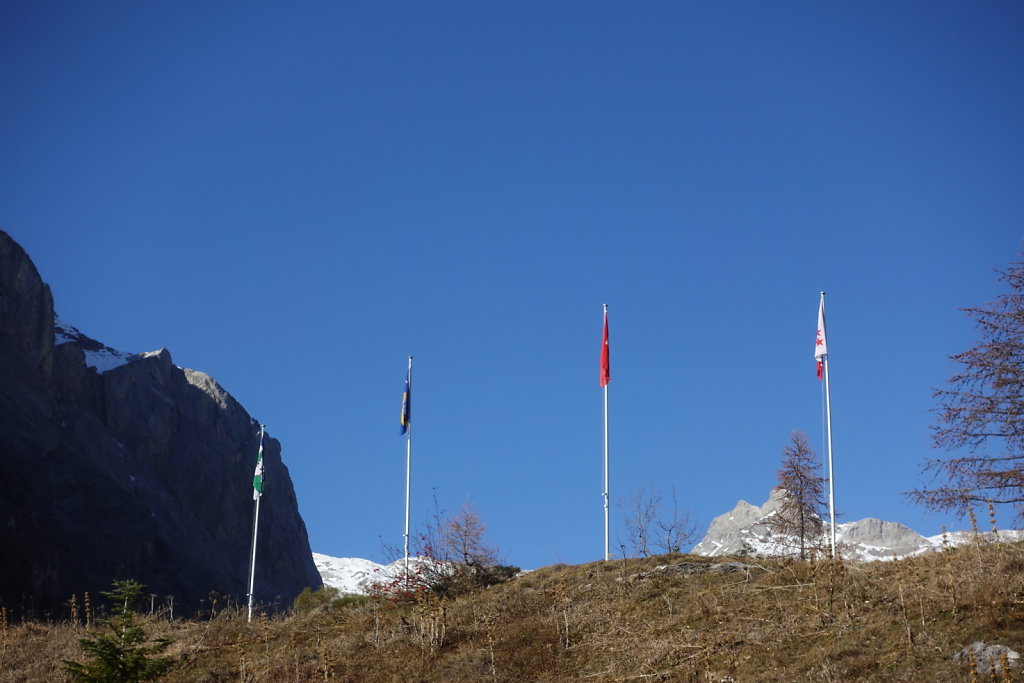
(606, 370)
(820, 347)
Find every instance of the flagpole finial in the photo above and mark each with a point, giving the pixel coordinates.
(822, 293)
(606, 308)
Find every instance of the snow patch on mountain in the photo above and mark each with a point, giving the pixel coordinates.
(347, 574)
(97, 355)
(354, 575)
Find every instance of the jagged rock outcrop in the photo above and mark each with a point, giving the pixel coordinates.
(747, 529)
(878, 538)
(141, 471)
(743, 526)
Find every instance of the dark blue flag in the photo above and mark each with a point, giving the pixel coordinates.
(407, 404)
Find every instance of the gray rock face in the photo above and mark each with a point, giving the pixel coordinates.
(742, 526)
(746, 528)
(24, 303)
(686, 569)
(143, 471)
(889, 538)
(988, 659)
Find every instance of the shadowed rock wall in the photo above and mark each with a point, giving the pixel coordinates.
(143, 471)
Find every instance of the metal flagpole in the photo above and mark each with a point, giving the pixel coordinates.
(255, 529)
(406, 415)
(828, 439)
(252, 563)
(607, 554)
(605, 381)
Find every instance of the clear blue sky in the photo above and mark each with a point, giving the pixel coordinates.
(293, 197)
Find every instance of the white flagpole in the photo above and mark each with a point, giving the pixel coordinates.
(255, 530)
(607, 553)
(408, 468)
(828, 439)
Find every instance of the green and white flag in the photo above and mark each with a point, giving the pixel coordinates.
(257, 477)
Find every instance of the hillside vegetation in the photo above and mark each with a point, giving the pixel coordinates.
(667, 618)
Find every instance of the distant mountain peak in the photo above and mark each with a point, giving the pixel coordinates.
(745, 528)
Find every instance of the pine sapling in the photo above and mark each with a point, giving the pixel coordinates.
(120, 656)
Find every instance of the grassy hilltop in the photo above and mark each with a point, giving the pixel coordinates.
(700, 619)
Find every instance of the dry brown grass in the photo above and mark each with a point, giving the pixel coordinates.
(778, 620)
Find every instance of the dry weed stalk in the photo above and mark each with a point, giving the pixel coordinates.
(3, 631)
(489, 626)
(325, 657)
(376, 622)
(906, 617)
(73, 605)
(431, 620)
(563, 605)
(243, 675)
(949, 578)
(973, 663)
(705, 653)
(992, 521)
(836, 572)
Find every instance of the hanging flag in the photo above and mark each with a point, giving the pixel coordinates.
(257, 477)
(606, 371)
(407, 403)
(820, 347)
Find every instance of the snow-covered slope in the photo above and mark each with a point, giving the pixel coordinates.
(347, 574)
(356, 575)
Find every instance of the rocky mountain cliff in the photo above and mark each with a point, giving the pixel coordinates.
(745, 528)
(129, 469)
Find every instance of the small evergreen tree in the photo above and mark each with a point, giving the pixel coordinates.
(120, 656)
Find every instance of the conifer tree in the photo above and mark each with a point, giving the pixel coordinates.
(120, 656)
(800, 513)
(465, 542)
